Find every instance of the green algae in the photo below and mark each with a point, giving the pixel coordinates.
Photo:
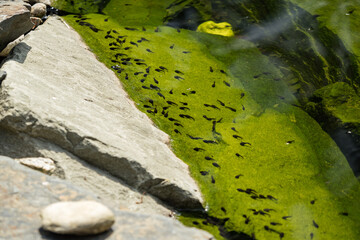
(340, 17)
(79, 6)
(135, 13)
(299, 41)
(337, 100)
(342, 101)
(290, 157)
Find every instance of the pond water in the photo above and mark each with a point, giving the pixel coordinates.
(266, 119)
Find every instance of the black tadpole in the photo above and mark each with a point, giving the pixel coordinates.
(198, 149)
(216, 165)
(161, 95)
(315, 224)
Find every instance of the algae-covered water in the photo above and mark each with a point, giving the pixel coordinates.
(264, 108)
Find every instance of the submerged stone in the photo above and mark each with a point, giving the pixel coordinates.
(223, 28)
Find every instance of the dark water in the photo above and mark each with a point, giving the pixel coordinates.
(274, 31)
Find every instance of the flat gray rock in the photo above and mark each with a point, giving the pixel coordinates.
(25, 192)
(56, 90)
(14, 21)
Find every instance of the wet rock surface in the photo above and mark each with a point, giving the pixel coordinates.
(77, 217)
(14, 21)
(71, 105)
(25, 192)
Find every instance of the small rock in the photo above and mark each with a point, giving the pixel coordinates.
(78, 218)
(45, 165)
(36, 21)
(2, 76)
(10, 46)
(224, 28)
(38, 10)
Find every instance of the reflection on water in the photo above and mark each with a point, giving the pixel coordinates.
(247, 113)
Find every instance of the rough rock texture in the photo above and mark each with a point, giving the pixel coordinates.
(77, 217)
(44, 165)
(24, 192)
(38, 10)
(80, 173)
(14, 21)
(56, 90)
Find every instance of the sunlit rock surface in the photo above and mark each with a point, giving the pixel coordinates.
(44, 165)
(25, 192)
(57, 90)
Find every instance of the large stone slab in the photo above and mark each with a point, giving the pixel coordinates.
(25, 192)
(14, 21)
(56, 90)
(81, 174)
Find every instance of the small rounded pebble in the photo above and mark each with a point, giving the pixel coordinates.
(78, 218)
(38, 10)
(2, 75)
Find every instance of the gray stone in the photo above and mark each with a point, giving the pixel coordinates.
(56, 90)
(25, 192)
(36, 21)
(77, 218)
(44, 165)
(2, 76)
(14, 21)
(38, 10)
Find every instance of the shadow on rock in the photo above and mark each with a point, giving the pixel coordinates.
(52, 236)
(20, 52)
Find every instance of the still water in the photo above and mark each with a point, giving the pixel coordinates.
(260, 99)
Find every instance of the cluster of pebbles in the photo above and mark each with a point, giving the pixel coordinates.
(39, 12)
